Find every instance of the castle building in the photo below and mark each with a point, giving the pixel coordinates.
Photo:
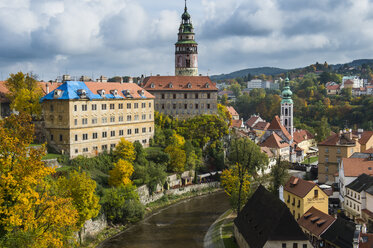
(186, 48)
(86, 118)
(186, 94)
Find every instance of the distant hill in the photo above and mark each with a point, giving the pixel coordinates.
(357, 62)
(252, 71)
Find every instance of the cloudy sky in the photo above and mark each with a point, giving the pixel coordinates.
(134, 37)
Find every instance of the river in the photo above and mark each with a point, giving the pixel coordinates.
(183, 224)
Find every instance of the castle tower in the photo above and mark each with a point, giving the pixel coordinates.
(186, 54)
(287, 108)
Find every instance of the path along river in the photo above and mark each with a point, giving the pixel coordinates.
(183, 224)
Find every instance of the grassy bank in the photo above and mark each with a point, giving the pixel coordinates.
(165, 201)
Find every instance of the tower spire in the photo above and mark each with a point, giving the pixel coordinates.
(185, 6)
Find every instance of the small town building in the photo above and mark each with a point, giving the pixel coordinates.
(314, 223)
(233, 113)
(265, 221)
(341, 234)
(253, 120)
(334, 89)
(300, 195)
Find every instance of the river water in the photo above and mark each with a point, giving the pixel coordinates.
(183, 224)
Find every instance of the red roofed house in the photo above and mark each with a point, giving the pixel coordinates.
(333, 89)
(314, 223)
(253, 120)
(4, 101)
(304, 140)
(260, 128)
(233, 113)
(277, 145)
(365, 140)
(183, 96)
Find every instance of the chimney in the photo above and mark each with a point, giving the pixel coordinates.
(47, 88)
(121, 80)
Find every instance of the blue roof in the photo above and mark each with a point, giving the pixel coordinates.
(70, 92)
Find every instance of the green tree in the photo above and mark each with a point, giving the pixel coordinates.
(125, 150)
(177, 159)
(248, 159)
(279, 175)
(236, 89)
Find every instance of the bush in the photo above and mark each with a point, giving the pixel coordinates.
(122, 205)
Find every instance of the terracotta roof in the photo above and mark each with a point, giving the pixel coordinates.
(366, 240)
(236, 123)
(299, 187)
(274, 141)
(174, 83)
(232, 111)
(52, 86)
(316, 227)
(267, 151)
(250, 122)
(354, 167)
(261, 125)
(365, 137)
(333, 87)
(338, 139)
(302, 135)
(131, 87)
(276, 125)
(359, 89)
(3, 88)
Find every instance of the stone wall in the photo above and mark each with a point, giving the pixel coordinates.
(93, 227)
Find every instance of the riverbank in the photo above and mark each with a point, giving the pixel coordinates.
(151, 208)
(220, 233)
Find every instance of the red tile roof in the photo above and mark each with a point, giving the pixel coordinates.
(365, 137)
(52, 86)
(250, 122)
(3, 91)
(348, 81)
(131, 87)
(354, 167)
(301, 135)
(276, 125)
(274, 141)
(333, 87)
(338, 139)
(177, 83)
(261, 125)
(232, 111)
(299, 187)
(321, 221)
(267, 151)
(236, 123)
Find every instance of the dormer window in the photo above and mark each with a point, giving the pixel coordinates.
(127, 93)
(114, 92)
(207, 85)
(189, 85)
(171, 85)
(152, 86)
(82, 93)
(57, 93)
(101, 93)
(141, 92)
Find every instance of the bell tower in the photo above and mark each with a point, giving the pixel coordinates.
(186, 53)
(287, 108)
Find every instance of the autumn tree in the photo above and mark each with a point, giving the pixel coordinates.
(125, 150)
(279, 175)
(81, 189)
(248, 159)
(177, 159)
(24, 93)
(121, 173)
(231, 182)
(32, 214)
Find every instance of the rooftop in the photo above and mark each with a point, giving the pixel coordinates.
(316, 221)
(179, 83)
(274, 141)
(276, 125)
(340, 233)
(299, 187)
(362, 182)
(354, 167)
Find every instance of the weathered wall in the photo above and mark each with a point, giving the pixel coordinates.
(93, 227)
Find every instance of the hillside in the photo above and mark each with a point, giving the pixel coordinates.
(252, 71)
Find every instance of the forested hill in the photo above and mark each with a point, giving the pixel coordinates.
(252, 71)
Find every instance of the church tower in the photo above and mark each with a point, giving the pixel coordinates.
(287, 108)
(186, 54)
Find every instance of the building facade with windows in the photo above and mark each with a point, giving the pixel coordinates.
(300, 195)
(183, 96)
(86, 118)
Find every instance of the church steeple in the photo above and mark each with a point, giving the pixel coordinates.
(186, 54)
(287, 108)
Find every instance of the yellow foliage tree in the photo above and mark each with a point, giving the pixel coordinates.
(121, 173)
(177, 140)
(24, 93)
(177, 159)
(230, 180)
(81, 188)
(125, 150)
(28, 205)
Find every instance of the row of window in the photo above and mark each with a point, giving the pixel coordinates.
(293, 203)
(338, 150)
(103, 148)
(179, 96)
(104, 134)
(112, 119)
(353, 194)
(185, 106)
(327, 159)
(104, 106)
(352, 205)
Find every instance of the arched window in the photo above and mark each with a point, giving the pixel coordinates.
(286, 111)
